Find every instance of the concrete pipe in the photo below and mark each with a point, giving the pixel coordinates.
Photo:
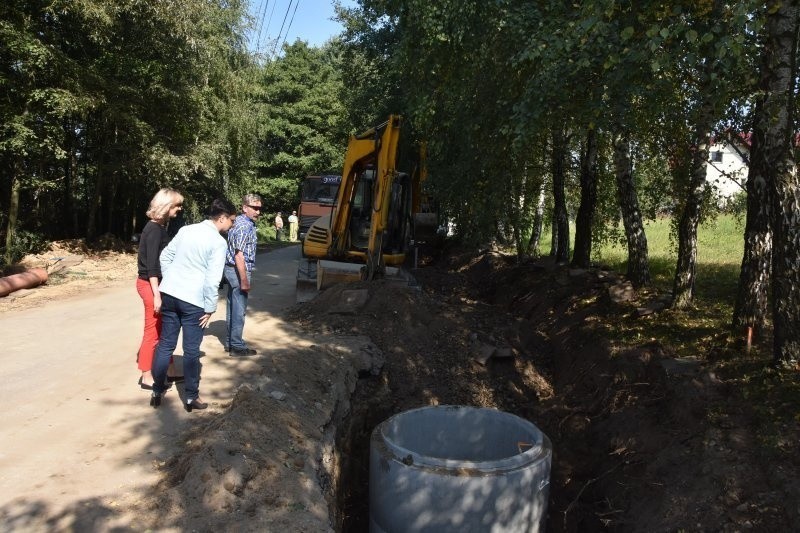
(458, 469)
(24, 280)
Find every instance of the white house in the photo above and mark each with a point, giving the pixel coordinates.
(728, 161)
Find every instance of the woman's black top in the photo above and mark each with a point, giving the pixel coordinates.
(153, 240)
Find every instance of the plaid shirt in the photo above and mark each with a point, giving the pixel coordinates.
(242, 236)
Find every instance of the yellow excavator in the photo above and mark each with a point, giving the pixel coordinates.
(369, 230)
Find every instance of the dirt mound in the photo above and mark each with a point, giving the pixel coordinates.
(431, 345)
(268, 462)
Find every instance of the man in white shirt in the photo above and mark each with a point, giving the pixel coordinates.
(191, 266)
(278, 227)
(293, 223)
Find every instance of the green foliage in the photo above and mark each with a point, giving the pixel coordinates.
(278, 194)
(265, 232)
(656, 187)
(23, 243)
(301, 121)
(720, 247)
(485, 83)
(450, 59)
(606, 227)
(736, 205)
(105, 102)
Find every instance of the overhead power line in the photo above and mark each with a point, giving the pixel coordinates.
(290, 23)
(261, 24)
(269, 20)
(285, 16)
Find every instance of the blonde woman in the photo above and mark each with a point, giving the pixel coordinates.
(164, 206)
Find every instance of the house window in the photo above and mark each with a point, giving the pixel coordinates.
(716, 157)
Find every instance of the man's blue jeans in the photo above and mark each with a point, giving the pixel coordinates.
(237, 306)
(176, 315)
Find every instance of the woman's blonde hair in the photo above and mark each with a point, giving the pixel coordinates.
(162, 202)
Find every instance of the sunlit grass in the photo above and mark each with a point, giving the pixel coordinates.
(704, 330)
(720, 244)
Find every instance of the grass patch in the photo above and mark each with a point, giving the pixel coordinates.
(704, 328)
(720, 244)
(267, 235)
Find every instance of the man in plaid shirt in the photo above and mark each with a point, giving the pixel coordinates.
(239, 263)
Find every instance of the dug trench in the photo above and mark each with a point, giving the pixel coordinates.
(635, 445)
(642, 441)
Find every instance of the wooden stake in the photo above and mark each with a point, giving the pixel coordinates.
(749, 339)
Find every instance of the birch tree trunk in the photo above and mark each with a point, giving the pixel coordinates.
(638, 262)
(518, 201)
(685, 270)
(560, 216)
(778, 77)
(750, 309)
(13, 214)
(538, 222)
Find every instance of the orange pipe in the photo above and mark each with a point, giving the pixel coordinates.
(24, 280)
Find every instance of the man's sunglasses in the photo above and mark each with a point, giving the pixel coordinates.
(254, 207)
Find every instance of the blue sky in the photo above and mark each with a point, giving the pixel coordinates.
(310, 21)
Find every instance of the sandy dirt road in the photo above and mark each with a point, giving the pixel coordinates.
(78, 437)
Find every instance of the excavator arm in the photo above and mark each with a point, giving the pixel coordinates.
(386, 173)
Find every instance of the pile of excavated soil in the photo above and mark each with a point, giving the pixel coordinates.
(268, 462)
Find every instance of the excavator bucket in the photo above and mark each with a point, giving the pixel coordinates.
(426, 226)
(315, 276)
(306, 287)
(333, 272)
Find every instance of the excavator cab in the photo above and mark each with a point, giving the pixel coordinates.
(360, 217)
(397, 234)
